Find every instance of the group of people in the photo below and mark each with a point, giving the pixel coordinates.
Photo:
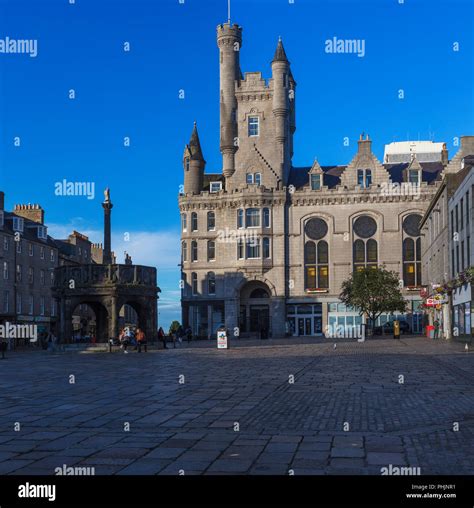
(177, 335)
(127, 337)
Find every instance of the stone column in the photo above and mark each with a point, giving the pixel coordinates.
(113, 317)
(107, 205)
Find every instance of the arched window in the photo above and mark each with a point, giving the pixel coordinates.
(184, 251)
(316, 260)
(409, 275)
(211, 283)
(194, 221)
(266, 217)
(184, 225)
(211, 250)
(259, 293)
(194, 283)
(258, 178)
(194, 251)
(364, 248)
(365, 254)
(240, 218)
(371, 252)
(186, 163)
(411, 250)
(266, 247)
(249, 178)
(211, 221)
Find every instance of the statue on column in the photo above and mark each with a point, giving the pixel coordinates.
(107, 195)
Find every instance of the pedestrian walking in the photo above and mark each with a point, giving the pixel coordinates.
(124, 338)
(162, 337)
(189, 334)
(436, 329)
(180, 334)
(141, 340)
(396, 329)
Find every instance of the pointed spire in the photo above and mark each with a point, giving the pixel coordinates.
(194, 145)
(280, 55)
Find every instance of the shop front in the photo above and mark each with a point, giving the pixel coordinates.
(463, 312)
(304, 319)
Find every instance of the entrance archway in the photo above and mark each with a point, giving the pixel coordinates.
(255, 299)
(128, 317)
(89, 322)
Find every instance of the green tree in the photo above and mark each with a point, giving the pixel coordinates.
(174, 326)
(373, 291)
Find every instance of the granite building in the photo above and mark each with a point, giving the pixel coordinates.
(266, 245)
(28, 257)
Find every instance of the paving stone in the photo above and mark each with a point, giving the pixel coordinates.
(347, 452)
(144, 467)
(233, 466)
(164, 453)
(396, 459)
(281, 425)
(347, 463)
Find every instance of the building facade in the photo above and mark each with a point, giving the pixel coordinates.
(461, 251)
(266, 245)
(28, 257)
(439, 233)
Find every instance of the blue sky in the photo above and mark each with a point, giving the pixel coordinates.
(408, 46)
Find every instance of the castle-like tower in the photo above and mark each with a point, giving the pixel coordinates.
(266, 245)
(257, 119)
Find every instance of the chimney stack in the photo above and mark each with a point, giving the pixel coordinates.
(30, 212)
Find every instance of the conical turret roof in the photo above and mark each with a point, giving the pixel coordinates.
(280, 55)
(194, 145)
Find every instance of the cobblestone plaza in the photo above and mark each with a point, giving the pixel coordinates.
(354, 409)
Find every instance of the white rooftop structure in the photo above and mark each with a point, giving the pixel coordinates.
(402, 151)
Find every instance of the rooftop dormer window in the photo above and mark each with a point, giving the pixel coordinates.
(315, 182)
(414, 176)
(42, 232)
(18, 224)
